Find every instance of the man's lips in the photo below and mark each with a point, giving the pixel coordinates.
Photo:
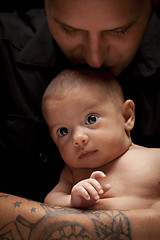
(85, 154)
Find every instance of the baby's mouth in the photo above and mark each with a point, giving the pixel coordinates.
(86, 154)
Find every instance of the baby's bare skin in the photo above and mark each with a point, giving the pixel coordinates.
(132, 180)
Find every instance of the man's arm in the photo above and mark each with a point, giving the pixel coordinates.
(22, 219)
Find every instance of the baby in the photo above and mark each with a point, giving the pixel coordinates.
(90, 122)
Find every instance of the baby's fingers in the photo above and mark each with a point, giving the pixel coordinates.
(98, 175)
(93, 188)
(102, 179)
(89, 192)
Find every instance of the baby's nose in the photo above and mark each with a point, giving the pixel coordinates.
(80, 138)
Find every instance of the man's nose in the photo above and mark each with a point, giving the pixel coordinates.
(80, 138)
(94, 51)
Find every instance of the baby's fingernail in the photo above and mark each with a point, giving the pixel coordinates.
(96, 197)
(101, 191)
(104, 175)
(108, 185)
(87, 197)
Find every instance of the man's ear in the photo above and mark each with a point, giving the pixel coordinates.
(128, 111)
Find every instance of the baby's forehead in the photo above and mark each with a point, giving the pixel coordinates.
(82, 88)
(70, 81)
(83, 95)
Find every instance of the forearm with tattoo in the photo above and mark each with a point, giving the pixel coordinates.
(59, 223)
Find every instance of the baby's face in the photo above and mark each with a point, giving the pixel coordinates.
(87, 127)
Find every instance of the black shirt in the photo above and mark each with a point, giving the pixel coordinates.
(141, 82)
(29, 59)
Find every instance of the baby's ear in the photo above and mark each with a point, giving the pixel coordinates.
(128, 111)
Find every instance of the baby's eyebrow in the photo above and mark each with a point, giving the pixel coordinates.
(91, 106)
(54, 126)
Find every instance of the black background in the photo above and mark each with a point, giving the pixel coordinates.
(23, 5)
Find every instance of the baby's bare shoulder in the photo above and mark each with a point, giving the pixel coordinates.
(144, 150)
(148, 155)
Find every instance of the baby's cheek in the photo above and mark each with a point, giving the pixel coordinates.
(67, 155)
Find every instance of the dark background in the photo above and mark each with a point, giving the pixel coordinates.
(23, 5)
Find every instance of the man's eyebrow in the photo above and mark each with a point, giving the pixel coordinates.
(105, 30)
(65, 24)
(122, 27)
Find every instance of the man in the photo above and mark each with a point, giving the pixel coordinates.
(112, 34)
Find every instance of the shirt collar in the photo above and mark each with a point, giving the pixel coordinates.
(41, 50)
(148, 59)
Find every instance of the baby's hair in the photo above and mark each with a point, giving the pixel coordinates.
(66, 80)
(72, 78)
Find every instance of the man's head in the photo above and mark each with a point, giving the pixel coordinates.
(99, 32)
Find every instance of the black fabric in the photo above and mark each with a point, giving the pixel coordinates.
(30, 162)
(141, 82)
(145, 92)
(29, 58)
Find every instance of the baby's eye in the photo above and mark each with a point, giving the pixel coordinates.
(91, 119)
(63, 131)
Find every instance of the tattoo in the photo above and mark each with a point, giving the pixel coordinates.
(62, 224)
(117, 226)
(17, 204)
(33, 210)
(4, 196)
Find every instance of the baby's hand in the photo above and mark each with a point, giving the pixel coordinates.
(86, 192)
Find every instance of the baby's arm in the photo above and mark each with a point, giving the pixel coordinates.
(60, 195)
(83, 195)
(86, 192)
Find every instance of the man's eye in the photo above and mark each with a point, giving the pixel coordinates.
(91, 119)
(69, 30)
(63, 131)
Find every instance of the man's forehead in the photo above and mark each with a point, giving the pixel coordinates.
(105, 14)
